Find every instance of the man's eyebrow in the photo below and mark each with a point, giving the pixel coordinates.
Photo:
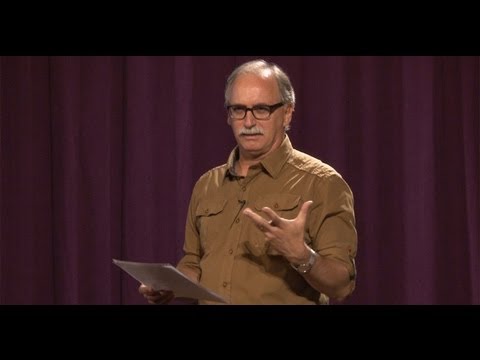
(257, 104)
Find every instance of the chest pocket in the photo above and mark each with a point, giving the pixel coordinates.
(285, 205)
(209, 220)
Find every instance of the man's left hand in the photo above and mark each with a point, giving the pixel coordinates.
(285, 236)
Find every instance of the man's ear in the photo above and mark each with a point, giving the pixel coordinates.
(229, 121)
(288, 116)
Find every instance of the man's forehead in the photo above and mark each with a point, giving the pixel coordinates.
(253, 86)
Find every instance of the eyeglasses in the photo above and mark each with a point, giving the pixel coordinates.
(260, 112)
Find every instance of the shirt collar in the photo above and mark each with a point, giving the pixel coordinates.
(231, 162)
(272, 164)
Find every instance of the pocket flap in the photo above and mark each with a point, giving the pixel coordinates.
(210, 207)
(278, 201)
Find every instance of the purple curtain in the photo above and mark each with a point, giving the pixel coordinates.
(98, 157)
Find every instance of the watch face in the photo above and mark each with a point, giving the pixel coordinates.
(305, 268)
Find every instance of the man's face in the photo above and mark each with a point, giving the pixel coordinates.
(257, 138)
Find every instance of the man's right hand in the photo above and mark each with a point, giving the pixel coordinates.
(159, 297)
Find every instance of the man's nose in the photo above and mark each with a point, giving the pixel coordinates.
(249, 120)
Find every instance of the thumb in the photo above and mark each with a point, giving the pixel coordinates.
(302, 215)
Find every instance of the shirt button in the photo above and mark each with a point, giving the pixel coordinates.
(244, 188)
(224, 284)
(275, 205)
(206, 211)
(230, 251)
(238, 220)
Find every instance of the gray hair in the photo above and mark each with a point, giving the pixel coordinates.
(261, 67)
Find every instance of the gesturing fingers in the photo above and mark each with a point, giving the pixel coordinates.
(262, 224)
(275, 219)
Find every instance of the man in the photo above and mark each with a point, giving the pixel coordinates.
(272, 225)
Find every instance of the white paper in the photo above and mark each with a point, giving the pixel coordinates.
(166, 277)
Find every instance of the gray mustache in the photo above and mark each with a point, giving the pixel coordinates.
(252, 131)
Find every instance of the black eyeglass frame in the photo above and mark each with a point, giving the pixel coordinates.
(271, 110)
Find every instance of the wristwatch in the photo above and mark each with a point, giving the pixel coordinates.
(306, 267)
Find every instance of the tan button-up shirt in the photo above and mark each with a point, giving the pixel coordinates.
(229, 254)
